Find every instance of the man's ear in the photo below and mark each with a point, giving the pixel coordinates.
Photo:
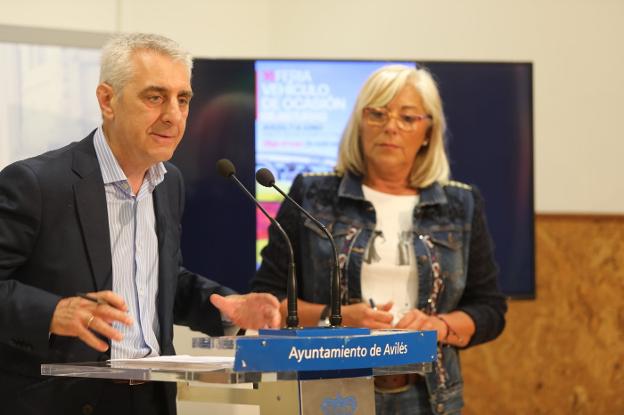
(105, 94)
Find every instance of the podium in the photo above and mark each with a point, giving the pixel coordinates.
(308, 371)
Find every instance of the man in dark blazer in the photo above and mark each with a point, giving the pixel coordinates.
(59, 237)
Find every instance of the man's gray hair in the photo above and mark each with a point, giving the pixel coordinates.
(116, 61)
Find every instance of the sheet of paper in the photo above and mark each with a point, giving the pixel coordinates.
(177, 361)
(180, 358)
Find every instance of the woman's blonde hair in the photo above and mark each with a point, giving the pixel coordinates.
(431, 163)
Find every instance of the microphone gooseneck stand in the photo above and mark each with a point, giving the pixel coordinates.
(226, 169)
(266, 178)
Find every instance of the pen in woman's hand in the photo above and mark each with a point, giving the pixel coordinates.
(372, 304)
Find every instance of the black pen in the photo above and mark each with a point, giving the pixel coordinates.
(92, 298)
(372, 304)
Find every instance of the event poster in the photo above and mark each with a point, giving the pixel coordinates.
(302, 108)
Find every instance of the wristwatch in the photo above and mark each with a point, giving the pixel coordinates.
(324, 320)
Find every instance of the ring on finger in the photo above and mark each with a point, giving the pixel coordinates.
(90, 320)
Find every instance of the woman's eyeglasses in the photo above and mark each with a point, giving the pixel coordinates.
(379, 117)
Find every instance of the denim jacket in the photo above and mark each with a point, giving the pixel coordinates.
(452, 247)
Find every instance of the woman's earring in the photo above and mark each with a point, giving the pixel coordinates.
(425, 144)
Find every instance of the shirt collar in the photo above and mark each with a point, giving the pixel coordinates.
(351, 187)
(111, 170)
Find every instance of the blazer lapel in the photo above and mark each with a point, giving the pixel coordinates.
(161, 210)
(93, 213)
(166, 294)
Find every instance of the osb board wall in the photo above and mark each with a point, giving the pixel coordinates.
(562, 353)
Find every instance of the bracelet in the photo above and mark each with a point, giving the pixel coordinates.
(449, 330)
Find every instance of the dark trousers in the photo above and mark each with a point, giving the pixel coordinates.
(78, 396)
(120, 399)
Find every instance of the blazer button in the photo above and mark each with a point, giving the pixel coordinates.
(87, 409)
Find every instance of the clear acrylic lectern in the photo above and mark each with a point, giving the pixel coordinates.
(306, 371)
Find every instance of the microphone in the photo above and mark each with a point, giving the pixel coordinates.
(226, 169)
(266, 179)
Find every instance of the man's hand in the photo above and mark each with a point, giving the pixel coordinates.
(78, 317)
(249, 311)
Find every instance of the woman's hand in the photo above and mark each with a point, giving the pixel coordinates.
(362, 315)
(417, 320)
(454, 328)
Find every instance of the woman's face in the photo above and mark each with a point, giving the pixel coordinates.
(391, 136)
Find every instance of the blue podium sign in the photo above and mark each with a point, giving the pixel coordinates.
(318, 353)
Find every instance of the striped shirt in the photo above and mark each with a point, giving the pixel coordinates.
(134, 249)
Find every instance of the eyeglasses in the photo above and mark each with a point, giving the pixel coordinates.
(379, 117)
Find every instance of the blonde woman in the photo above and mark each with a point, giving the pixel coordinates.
(409, 239)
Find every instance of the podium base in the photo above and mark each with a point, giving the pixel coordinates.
(304, 397)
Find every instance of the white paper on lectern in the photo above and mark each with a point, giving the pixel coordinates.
(177, 361)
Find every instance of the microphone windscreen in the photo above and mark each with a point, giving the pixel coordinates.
(265, 177)
(225, 168)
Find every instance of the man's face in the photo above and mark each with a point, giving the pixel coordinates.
(145, 121)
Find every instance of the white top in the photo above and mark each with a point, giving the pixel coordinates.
(391, 275)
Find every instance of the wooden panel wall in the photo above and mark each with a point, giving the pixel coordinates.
(562, 353)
